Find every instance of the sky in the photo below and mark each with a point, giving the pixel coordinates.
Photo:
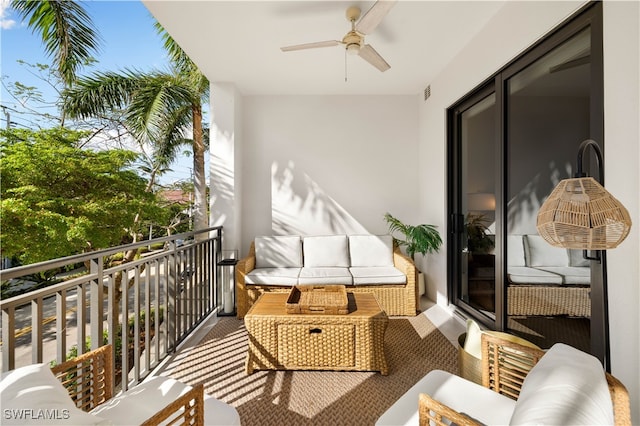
(129, 40)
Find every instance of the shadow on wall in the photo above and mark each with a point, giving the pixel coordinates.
(300, 207)
(222, 190)
(524, 205)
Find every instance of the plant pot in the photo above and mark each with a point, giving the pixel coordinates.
(469, 367)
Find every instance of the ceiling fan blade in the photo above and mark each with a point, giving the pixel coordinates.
(374, 16)
(327, 43)
(370, 55)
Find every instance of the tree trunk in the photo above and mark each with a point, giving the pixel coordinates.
(200, 217)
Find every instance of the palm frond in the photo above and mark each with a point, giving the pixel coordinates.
(67, 33)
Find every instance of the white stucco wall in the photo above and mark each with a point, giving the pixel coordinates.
(514, 28)
(328, 164)
(621, 24)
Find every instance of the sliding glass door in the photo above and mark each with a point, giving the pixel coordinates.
(511, 141)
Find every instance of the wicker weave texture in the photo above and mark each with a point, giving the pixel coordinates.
(281, 341)
(548, 300)
(581, 214)
(393, 298)
(87, 377)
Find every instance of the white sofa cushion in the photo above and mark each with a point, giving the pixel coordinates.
(540, 253)
(571, 274)
(326, 251)
(31, 395)
(526, 275)
(371, 250)
(377, 275)
(314, 276)
(273, 276)
(515, 250)
(566, 387)
(146, 399)
(278, 252)
(482, 404)
(576, 259)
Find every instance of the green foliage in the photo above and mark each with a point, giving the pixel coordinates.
(59, 200)
(421, 239)
(478, 239)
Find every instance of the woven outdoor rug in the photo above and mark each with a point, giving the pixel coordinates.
(413, 347)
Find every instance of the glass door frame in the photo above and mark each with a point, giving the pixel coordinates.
(588, 16)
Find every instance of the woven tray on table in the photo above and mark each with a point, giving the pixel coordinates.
(309, 299)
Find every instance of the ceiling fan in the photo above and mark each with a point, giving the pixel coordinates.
(354, 39)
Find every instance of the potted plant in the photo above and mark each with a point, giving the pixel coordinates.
(478, 239)
(421, 239)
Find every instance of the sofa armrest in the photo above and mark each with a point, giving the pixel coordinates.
(434, 412)
(188, 408)
(244, 266)
(620, 400)
(406, 265)
(87, 377)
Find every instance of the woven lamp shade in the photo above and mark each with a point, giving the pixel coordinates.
(581, 214)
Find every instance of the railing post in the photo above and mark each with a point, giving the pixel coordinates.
(81, 315)
(61, 325)
(97, 303)
(8, 339)
(171, 297)
(36, 330)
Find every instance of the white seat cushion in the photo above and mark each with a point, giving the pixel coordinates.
(326, 251)
(278, 252)
(566, 387)
(480, 403)
(576, 259)
(377, 275)
(273, 276)
(371, 250)
(526, 275)
(571, 274)
(31, 395)
(314, 276)
(146, 399)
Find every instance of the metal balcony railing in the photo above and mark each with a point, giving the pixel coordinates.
(144, 308)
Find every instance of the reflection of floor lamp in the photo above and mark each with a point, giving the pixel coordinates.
(581, 214)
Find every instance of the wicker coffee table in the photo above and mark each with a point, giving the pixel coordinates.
(350, 342)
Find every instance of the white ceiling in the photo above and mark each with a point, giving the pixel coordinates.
(239, 41)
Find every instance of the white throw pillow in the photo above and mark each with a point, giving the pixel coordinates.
(515, 250)
(541, 253)
(566, 387)
(31, 395)
(371, 250)
(278, 252)
(326, 251)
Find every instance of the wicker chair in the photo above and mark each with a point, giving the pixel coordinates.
(87, 378)
(504, 367)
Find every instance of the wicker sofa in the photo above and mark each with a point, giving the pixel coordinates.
(520, 386)
(545, 280)
(363, 263)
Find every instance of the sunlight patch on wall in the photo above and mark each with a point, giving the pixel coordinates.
(299, 206)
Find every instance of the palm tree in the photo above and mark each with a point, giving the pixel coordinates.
(159, 109)
(68, 35)
(200, 85)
